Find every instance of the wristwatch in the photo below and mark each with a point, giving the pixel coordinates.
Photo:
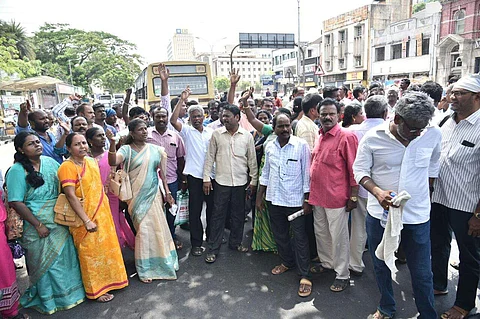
(477, 215)
(354, 199)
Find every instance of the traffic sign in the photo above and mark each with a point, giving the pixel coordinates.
(267, 40)
(319, 70)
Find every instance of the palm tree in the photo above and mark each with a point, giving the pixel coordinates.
(16, 32)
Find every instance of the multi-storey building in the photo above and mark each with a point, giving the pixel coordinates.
(181, 46)
(459, 46)
(346, 40)
(312, 64)
(406, 49)
(284, 67)
(251, 64)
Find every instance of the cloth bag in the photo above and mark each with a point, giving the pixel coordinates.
(182, 212)
(64, 214)
(120, 183)
(14, 222)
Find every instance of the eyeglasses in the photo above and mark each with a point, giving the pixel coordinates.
(412, 130)
(460, 93)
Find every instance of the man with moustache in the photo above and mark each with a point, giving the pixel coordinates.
(196, 139)
(232, 150)
(286, 182)
(173, 144)
(38, 122)
(212, 112)
(86, 110)
(333, 193)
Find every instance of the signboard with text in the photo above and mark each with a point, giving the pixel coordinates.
(267, 40)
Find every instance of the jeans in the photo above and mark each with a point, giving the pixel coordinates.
(195, 205)
(416, 243)
(170, 218)
(445, 220)
(224, 197)
(292, 251)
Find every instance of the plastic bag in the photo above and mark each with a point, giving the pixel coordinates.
(182, 212)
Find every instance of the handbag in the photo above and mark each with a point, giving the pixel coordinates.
(182, 216)
(64, 214)
(14, 222)
(120, 183)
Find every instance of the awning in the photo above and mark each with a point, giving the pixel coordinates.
(30, 84)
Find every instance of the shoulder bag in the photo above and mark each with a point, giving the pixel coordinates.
(64, 214)
(120, 183)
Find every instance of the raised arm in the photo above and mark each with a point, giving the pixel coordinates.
(176, 112)
(234, 78)
(25, 108)
(164, 75)
(128, 94)
(256, 123)
(114, 159)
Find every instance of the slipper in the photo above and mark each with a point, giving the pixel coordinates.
(305, 288)
(318, 269)
(339, 285)
(448, 314)
(178, 244)
(211, 258)
(240, 248)
(105, 298)
(455, 265)
(21, 316)
(146, 281)
(197, 251)
(440, 292)
(280, 269)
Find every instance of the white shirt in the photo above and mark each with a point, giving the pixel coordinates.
(458, 183)
(286, 172)
(392, 166)
(196, 145)
(360, 131)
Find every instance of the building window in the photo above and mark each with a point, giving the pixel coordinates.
(396, 51)
(380, 54)
(358, 61)
(456, 61)
(328, 65)
(342, 64)
(459, 18)
(309, 53)
(426, 46)
(358, 31)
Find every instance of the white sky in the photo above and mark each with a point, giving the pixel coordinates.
(150, 24)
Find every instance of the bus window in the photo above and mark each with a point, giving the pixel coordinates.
(176, 85)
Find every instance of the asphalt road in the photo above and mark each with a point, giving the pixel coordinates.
(241, 286)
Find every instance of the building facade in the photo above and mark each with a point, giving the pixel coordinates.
(181, 46)
(406, 49)
(284, 67)
(459, 46)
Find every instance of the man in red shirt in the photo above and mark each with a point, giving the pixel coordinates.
(277, 102)
(333, 193)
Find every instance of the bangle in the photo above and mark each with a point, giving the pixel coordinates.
(306, 201)
(87, 221)
(366, 181)
(39, 225)
(169, 193)
(110, 152)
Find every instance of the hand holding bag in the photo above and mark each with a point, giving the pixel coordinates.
(120, 183)
(64, 214)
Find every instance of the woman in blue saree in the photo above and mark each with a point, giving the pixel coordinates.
(155, 253)
(53, 269)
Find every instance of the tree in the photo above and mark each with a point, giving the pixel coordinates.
(14, 31)
(243, 85)
(221, 83)
(11, 64)
(258, 86)
(420, 6)
(94, 57)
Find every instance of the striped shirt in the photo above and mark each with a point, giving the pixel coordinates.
(458, 184)
(286, 172)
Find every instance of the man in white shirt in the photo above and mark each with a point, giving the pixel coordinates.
(196, 139)
(376, 110)
(306, 128)
(456, 197)
(286, 182)
(402, 155)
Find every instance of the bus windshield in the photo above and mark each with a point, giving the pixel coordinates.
(197, 83)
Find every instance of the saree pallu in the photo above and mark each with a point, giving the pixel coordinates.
(53, 268)
(124, 232)
(262, 232)
(155, 253)
(9, 294)
(101, 260)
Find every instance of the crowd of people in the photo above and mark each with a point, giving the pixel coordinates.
(331, 173)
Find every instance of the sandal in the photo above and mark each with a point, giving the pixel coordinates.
(456, 310)
(378, 315)
(178, 244)
(146, 281)
(105, 298)
(211, 258)
(339, 285)
(280, 269)
(197, 251)
(305, 288)
(240, 248)
(21, 316)
(318, 269)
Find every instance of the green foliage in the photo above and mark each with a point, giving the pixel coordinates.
(243, 85)
(258, 86)
(221, 83)
(12, 64)
(421, 5)
(94, 57)
(13, 31)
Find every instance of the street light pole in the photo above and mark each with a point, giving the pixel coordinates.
(298, 51)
